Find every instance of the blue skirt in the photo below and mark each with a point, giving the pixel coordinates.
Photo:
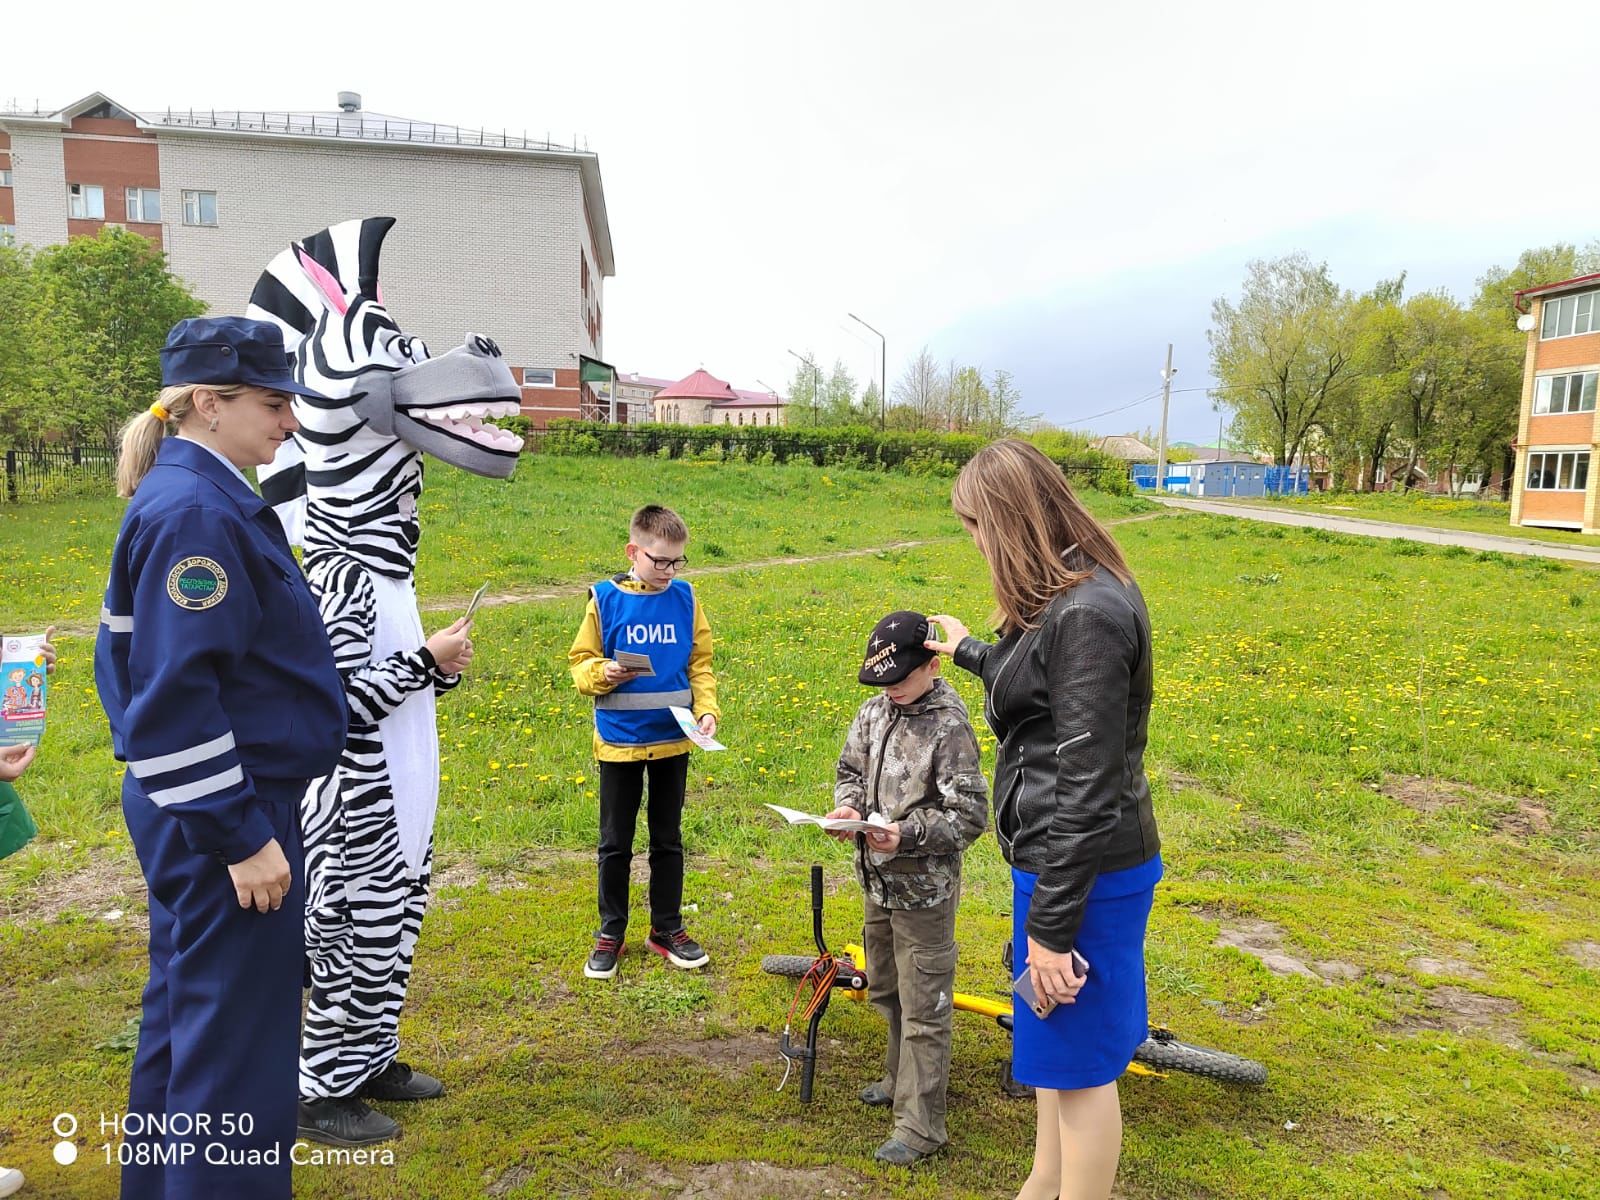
(1091, 1042)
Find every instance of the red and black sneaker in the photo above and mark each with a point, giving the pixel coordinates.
(602, 963)
(678, 948)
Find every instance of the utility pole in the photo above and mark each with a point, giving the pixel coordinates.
(883, 372)
(816, 383)
(1166, 397)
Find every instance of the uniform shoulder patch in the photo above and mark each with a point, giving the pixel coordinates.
(197, 583)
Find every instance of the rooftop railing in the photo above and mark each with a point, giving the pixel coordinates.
(361, 127)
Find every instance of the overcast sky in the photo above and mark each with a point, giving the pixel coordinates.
(1048, 188)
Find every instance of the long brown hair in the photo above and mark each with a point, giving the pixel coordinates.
(1025, 518)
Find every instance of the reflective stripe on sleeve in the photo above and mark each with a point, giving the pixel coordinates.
(115, 623)
(163, 763)
(199, 788)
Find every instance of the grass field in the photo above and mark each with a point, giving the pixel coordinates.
(1416, 508)
(1374, 767)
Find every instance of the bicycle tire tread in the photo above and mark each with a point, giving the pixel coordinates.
(1169, 1055)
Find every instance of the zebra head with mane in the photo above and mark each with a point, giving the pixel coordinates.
(350, 478)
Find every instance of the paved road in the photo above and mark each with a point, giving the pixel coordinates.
(1364, 527)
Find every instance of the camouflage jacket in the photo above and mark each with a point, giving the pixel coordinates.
(916, 764)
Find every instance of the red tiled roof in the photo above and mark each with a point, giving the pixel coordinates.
(701, 385)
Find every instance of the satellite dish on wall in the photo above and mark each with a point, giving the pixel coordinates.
(1525, 322)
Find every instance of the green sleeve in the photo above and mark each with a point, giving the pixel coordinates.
(16, 826)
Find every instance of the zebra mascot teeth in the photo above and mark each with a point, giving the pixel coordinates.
(346, 488)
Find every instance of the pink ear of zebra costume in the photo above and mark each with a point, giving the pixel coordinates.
(347, 489)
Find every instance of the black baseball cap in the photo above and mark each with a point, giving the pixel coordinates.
(229, 350)
(895, 649)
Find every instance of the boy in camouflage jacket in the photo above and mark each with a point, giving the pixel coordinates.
(911, 757)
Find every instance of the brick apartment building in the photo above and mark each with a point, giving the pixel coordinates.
(497, 234)
(1555, 484)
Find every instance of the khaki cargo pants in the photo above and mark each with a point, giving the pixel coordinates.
(911, 963)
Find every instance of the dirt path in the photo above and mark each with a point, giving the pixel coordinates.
(1366, 527)
(566, 591)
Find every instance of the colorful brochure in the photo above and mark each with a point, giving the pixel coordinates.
(24, 683)
(691, 730)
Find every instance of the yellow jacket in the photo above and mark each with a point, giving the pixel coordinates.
(589, 675)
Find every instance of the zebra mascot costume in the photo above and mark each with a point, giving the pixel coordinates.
(346, 488)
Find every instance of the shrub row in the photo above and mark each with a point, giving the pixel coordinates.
(931, 454)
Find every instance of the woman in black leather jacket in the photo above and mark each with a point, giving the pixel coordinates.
(1068, 689)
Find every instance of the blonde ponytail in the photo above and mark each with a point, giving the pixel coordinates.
(143, 433)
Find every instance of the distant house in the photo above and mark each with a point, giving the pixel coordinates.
(701, 398)
(1557, 435)
(1126, 447)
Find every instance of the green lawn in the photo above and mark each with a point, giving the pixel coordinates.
(1373, 760)
(1415, 508)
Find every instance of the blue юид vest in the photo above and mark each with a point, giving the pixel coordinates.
(660, 624)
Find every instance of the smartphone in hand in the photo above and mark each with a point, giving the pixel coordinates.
(1043, 1007)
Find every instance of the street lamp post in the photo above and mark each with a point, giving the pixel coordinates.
(883, 372)
(816, 384)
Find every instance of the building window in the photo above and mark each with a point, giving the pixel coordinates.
(5, 177)
(144, 204)
(86, 201)
(769, 418)
(1563, 471)
(1571, 315)
(540, 377)
(1565, 393)
(199, 208)
(8, 235)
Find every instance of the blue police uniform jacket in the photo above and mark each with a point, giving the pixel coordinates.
(660, 624)
(211, 661)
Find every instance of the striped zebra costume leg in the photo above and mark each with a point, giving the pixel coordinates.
(365, 895)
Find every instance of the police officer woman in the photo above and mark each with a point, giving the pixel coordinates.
(1068, 689)
(217, 677)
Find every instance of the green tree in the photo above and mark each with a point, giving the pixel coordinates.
(839, 398)
(1497, 287)
(966, 399)
(872, 403)
(805, 398)
(103, 308)
(1005, 414)
(1282, 352)
(22, 417)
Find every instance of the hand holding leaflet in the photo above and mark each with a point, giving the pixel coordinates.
(831, 824)
(629, 661)
(691, 729)
(477, 599)
(24, 684)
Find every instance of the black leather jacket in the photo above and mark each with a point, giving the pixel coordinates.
(1070, 703)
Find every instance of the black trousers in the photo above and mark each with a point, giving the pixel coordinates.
(621, 789)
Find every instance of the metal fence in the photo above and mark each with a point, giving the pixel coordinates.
(48, 472)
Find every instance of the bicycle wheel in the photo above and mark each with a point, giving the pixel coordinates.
(1166, 1053)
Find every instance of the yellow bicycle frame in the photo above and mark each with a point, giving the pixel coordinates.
(966, 1002)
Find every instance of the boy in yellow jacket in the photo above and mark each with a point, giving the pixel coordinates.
(646, 611)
